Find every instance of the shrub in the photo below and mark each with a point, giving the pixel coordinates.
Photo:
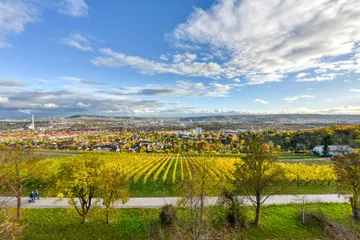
(236, 217)
(167, 215)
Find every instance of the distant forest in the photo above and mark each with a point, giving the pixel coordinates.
(301, 140)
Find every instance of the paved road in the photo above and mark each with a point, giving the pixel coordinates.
(160, 201)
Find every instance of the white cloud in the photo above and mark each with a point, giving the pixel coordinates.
(92, 102)
(26, 111)
(83, 105)
(164, 57)
(4, 99)
(182, 66)
(14, 16)
(51, 105)
(237, 80)
(219, 90)
(185, 58)
(260, 101)
(329, 100)
(11, 83)
(295, 98)
(276, 37)
(350, 109)
(320, 78)
(300, 75)
(82, 81)
(78, 41)
(40, 80)
(354, 90)
(180, 89)
(261, 46)
(74, 8)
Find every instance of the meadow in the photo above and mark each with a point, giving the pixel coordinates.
(278, 222)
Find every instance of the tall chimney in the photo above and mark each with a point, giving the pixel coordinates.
(33, 122)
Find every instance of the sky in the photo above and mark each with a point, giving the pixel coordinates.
(179, 58)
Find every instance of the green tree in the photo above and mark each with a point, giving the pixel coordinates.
(327, 141)
(113, 186)
(347, 168)
(77, 178)
(257, 176)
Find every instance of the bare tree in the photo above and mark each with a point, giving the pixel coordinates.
(194, 191)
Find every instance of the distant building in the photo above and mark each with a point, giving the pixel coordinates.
(33, 122)
(334, 149)
(198, 131)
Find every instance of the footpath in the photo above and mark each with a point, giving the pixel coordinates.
(156, 202)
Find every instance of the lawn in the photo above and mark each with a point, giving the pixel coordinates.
(277, 222)
(46, 224)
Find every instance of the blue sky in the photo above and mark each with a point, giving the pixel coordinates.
(179, 58)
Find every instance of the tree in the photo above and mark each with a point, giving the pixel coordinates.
(327, 141)
(17, 169)
(236, 215)
(114, 186)
(9, 228)
(257, 175)
(77, 178)
(347, 169)
(194, 191)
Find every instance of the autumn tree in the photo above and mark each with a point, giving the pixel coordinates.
(18, 169)
(347, 169)
(114, 186)
(78, 179)
(258, 175)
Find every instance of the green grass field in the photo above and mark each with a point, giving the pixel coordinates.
(277, 222)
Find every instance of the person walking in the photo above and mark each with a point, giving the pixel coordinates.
(32, 197)
(37, 194)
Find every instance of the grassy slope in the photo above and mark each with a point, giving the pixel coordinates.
(278, 222)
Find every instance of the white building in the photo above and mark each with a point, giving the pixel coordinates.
(334, 149)
(198, 131)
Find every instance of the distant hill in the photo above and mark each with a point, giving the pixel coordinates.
(89, 117)
(239, 117)
(274, 117)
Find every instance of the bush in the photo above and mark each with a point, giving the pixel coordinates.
(167, 215)
(236, 217)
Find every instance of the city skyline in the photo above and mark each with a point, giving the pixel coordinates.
(180, 58)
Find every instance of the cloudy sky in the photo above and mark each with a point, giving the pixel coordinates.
(179, 58)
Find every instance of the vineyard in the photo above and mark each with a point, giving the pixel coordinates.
(157, 174)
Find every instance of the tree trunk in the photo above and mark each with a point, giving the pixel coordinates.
(354, 206)
(18, 208)
(355, 212)
(257, 212)
(202, 199)
(83, 218)
(107, 216)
